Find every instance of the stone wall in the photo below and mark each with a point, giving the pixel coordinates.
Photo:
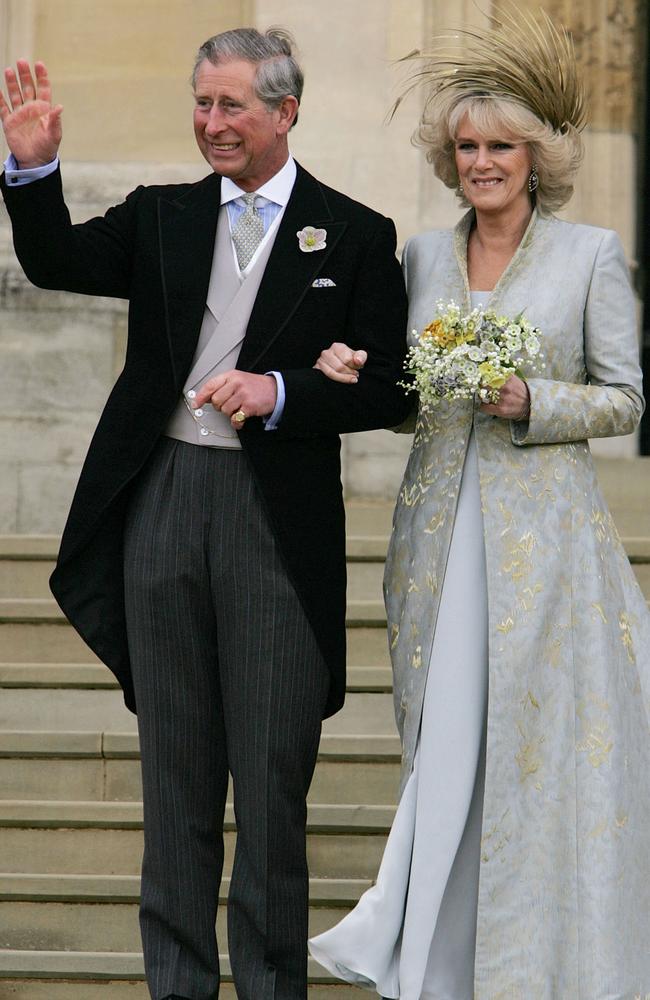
(122, 76)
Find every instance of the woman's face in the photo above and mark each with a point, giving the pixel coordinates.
(493, 170)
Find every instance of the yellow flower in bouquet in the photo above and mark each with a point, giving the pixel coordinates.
(492, 377)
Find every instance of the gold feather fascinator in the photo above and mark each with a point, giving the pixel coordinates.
(518, 57)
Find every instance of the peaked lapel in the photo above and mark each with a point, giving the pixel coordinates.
(187, 230)
(289, 272)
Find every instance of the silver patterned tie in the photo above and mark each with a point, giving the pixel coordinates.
(247, 234)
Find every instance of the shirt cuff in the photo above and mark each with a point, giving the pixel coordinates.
(15, 177)
(272, 422)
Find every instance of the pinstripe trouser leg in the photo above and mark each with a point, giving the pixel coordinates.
(227, 676)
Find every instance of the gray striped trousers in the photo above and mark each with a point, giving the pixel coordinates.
(228, 679)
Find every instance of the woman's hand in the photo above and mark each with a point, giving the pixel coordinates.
(514, 401)
(32, 125)
(340, 363)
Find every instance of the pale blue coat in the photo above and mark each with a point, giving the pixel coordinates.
(564, 907)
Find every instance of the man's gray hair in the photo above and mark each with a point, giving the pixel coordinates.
(278, 73)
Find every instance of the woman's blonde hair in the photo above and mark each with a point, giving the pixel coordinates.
(556, 153)
(516, 78)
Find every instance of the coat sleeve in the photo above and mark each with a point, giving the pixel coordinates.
(94, 258)
(611, 403)
(376, 323)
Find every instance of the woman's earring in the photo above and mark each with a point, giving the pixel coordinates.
(533, 180)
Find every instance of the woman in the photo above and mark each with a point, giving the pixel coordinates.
(517, 866)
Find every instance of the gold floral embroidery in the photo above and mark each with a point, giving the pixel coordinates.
(528, 757)
(597, 745)
(599, 609)
(625, 622)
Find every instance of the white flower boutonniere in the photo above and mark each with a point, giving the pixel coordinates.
(310, 239)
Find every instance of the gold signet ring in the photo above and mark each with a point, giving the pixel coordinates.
(239, 417)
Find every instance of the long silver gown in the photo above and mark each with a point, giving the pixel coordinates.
(412, 934)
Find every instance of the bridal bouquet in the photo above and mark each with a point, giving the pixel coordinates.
(458, 357)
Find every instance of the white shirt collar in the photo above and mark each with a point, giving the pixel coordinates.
(278, 189)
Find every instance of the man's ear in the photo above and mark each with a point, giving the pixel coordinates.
(288, 112)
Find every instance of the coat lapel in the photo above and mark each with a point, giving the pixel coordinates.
(187, 231)
(289, 272)
(188, 227)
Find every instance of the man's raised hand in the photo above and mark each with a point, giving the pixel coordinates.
(32, 125)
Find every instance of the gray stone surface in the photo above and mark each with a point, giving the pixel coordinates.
(71, 710)
(59, 355)
(8, 496)
(30, 989)
(25, 577)
(42, 643)
(54, 779)
(373, 463)
(119, 852)
(45, 492)
(61, 926)
(40, 357)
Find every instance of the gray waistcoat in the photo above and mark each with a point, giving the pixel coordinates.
(229, 305)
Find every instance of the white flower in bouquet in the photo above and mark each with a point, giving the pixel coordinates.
(459, 357)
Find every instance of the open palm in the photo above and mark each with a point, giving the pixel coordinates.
(32, 125)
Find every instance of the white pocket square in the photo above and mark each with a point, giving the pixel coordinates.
(323, 283)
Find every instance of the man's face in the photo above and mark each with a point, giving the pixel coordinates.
(237, 134)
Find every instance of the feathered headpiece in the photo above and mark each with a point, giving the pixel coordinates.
(517, 57)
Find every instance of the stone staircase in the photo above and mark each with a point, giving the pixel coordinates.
(70, 811)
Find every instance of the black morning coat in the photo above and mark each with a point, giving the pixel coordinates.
(155, 249)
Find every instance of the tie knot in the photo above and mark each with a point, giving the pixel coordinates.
(249, 199)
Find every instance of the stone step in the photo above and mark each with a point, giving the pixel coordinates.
(100, 912)
(28, 577)
(51, 837)
(364, 596)
(105, 975)
(24, 594)
(26, 562)
(35, 631)
(62, 710)
(87, 766)
(24, 575)
(55, 641)
(66, 989)
(45, 611)
(45, 814)
(95, 676)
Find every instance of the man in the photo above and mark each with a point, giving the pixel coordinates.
(203, 559)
